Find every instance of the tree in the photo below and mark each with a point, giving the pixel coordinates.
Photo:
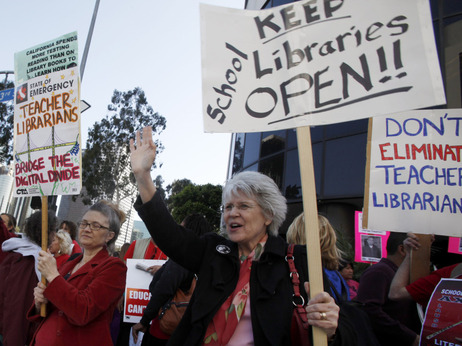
(191, 198)
(106, 161)
(177, 186)
(6, 127)
(159, 188)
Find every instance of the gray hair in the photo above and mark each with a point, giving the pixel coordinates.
(266, 193)
(65, 242)
(115, 216)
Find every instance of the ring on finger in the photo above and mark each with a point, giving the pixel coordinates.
(323, 316)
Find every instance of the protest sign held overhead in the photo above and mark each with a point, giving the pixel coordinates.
(316, 62)
(47, 144)
(415, 182)
(52, 56)
(368, 239)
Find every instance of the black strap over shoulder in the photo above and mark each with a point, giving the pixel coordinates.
(73, 256)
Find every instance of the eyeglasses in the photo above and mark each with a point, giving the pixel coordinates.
(227, 208)
(94, 226)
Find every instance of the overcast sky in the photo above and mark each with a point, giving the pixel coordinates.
(154, 45)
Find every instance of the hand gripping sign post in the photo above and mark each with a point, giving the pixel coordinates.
(47, 145)
(314, 63)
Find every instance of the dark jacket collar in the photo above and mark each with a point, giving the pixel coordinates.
(275, 246)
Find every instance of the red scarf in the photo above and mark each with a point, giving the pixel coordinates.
(225, 321)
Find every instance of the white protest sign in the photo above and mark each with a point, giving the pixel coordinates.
(316, 62)
(47, 141)
(55, 55)
(416, 173)
(137, 293)
(47, 153)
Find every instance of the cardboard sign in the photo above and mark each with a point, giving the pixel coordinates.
(415, 182)
(316, 62)
(46, 58)
(443, 319)
(47, 144)
(137, 293)
(47, 141)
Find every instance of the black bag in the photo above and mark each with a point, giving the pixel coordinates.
(353, 320)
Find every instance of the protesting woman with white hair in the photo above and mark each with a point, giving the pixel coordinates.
(61, 247)
(244, 292)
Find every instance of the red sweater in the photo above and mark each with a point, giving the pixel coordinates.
(80, 309)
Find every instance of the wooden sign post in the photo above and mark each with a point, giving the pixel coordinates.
(43, 308)
(420, 259)
(310, 210)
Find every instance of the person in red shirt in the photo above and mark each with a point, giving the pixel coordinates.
(421, 289)
(60, 247)
(4, 235)
(146, 246)
(71, 228)
(19, 275)
(10, 223)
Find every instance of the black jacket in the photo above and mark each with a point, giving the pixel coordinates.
(215, 260)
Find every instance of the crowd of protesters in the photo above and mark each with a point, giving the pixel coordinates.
(243, 290)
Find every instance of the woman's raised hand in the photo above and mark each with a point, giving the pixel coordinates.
(143, 154)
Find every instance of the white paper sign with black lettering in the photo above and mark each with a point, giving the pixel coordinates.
(416, 172)
(316, 62)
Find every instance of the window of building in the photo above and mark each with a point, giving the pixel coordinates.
(292, 189)
(251, 149)
(344, 168)
(273, 167)
(238, 158)
(291, 138)
(272, 142)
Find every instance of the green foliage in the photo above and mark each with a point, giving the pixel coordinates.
(344, 243)
(6, 127)
(177, 186)
(106, 160)
(187, 198)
